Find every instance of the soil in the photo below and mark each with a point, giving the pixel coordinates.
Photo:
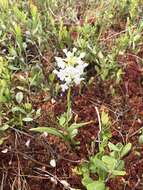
(26, 166)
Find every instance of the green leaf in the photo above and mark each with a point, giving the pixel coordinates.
(137, 37)
(141, 139)
(4, 4)
(113, 147)
(105, 118)
(38, 113)
(74, 133)
(62, 120)
(118, 173)
(52, 77)
(28, 106)
(49, 130)
(19, 97)
(77, 125)
(121, 165)
(99, 164)
(97, 185)
(86, 180)
(2, 140)
(18, 109)
(119, 145)
(27, 119)
(110, 161)
(126, 149)
(85, 169)
(11, 67)
(100, 55)
(4, 127)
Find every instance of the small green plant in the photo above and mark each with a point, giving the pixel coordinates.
(4, 81)
(104, 166)
(36, 76)
(22, 113)
(107, 67)
(130, 39)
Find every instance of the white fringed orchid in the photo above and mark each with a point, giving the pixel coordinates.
(70, 69)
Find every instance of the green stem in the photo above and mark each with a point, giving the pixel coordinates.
(68, 103)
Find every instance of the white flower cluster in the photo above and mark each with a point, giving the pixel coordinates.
(70, 69)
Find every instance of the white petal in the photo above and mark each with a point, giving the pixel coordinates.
(61, 65)
(61, 75)
(55, 71)
(60, 62)
(69, 54)
(74, 50)
(64, 87)
(58, 59)
(85, 65)
(68, 80)
(80, 69)
(82, 55)
(65, 51)
(78, 79)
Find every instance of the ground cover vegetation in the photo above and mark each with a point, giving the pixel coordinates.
(71, 95)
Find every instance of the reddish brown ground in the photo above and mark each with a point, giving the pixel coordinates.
(28, 167)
